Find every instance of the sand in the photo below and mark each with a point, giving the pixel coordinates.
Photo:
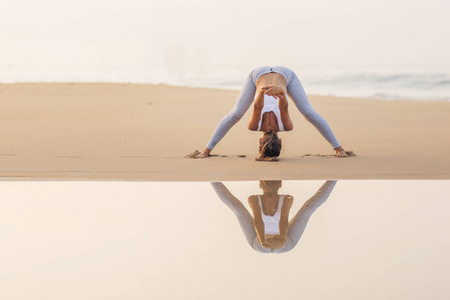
(105, 131)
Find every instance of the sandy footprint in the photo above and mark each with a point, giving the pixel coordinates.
(196, 152)
(349, 153)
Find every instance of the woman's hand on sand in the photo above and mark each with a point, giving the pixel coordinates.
(340, 152)
(274, 90)
(205, 153)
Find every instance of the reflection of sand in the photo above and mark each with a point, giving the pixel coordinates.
(125, 131)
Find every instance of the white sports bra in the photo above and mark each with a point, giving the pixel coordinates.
(271, 104)
(271, 223)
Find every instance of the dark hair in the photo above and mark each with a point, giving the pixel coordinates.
(269, 146)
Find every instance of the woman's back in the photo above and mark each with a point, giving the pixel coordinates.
(271, 78)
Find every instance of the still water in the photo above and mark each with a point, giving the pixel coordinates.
(201, 240)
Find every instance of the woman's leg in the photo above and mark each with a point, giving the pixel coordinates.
(298, 95)
(298, 223)
(245, 219)
(244, 101)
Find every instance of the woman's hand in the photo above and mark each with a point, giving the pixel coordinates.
(276, 242)
(340, 152)
(274, 90)
(278, 237)
(262, 241)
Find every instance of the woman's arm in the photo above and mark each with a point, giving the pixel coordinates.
(279, 92)
(244, 218)
(284, 218)
(258, 105)
(284, 113)
(259, 223)
(274, 90)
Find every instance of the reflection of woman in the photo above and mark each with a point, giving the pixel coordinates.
(267, 88)
(270, 230)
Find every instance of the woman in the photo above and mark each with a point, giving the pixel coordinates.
(270, 231)
(264, 86)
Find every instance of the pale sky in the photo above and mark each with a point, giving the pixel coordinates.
(182, 34)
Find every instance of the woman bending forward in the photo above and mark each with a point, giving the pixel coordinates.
(267, 88)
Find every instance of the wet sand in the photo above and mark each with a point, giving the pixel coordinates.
(102, 131)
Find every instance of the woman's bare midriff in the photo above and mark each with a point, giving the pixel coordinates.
(270, 78)
(269, 122)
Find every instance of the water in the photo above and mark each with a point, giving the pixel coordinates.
(365, 82)
(336, 48)
(385, 86)
(152, 240)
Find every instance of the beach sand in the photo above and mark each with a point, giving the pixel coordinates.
(105, 131)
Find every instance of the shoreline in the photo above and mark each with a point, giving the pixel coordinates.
(141, 132)
(204, 87)
(354, 177)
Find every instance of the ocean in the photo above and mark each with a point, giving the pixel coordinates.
(386, 83)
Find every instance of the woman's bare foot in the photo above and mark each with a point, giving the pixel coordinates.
(340, 152)
(205, 153)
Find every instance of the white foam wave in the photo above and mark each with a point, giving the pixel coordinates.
(375, 85)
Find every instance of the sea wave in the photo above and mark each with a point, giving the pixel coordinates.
(416, 86)
(391, 85)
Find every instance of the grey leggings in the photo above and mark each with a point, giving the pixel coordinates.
(295, 91)
(297, 224)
